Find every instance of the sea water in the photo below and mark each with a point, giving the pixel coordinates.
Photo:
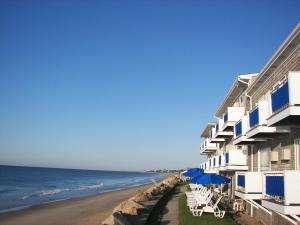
(22, 187)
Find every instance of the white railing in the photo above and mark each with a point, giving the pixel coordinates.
(232, 115)
(206, 145)
(249, 182)
(282, 186)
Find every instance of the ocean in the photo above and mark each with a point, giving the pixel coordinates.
(22, 187)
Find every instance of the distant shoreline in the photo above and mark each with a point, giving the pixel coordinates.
(62, 168)
(75, 211)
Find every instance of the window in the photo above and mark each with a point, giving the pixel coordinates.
(265, 158)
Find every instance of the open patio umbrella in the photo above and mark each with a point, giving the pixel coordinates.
(210, 178)
(193, 172)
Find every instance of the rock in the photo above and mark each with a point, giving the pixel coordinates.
(153, 191)
(129, 207)
(120, 219)
(141, 196)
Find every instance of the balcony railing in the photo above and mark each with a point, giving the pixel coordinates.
(207, 147)
(282, 186)
(285, 102)
(225, 117)
(275, 186)
(232, 115)
(241, 181)
(248, 185)
(234, 160)
(258, 128)
(227, 157)
(280, 97)
(254, 118)
(238, 128)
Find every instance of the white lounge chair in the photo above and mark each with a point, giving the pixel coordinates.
(195, 205)
(211, 209)
(195, 187)
(202, 191)
(194, 197)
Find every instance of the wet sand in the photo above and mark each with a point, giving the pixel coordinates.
(90, 210)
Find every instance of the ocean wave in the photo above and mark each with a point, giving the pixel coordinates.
(92, 186)
(57, 190)
(44, 193)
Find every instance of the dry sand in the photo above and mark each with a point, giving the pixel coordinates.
(90, 210)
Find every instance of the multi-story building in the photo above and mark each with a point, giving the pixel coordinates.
(260, 119)
(224, 157)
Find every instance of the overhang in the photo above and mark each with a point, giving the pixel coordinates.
(239, 86)
(291, 43)
(209, 126)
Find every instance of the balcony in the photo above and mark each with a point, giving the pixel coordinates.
(233, 115)
(240, 130)
(248, 185)
(258, 127)
(281, 192)
(285, 102)
(208, 166)
(214, 135)
(221, 133)
(217, 161)
(234, 160)
(207, 147)
(205, 166)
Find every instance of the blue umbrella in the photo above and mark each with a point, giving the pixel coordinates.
(193, 172)
(210, 178)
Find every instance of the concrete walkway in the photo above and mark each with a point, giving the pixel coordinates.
(170, 214)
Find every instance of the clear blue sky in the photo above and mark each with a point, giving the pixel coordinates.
(125, 85)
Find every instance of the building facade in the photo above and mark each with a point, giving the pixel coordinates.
(256, 138)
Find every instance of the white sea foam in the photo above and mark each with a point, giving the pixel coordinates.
(57, 190)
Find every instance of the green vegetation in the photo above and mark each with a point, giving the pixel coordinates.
(187, 218)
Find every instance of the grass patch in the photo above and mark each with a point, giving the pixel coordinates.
(187, 218)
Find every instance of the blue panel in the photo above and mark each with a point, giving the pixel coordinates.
(217, 127)
(254, 118)
(227, 157)
(225, 117)
(275, 186)
(280, 97)
(209, 162)
(238, 129)
(214, 161)
(241, 180)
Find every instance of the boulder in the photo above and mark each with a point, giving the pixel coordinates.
(120, 219)
(141, 196)
(129, 207)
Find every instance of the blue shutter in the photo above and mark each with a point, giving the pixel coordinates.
(254, 118)
(225, 117)
(275, 185)
(238, 129)
(241, 180)
(280, 97)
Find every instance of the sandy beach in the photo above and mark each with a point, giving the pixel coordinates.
(80, 211)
